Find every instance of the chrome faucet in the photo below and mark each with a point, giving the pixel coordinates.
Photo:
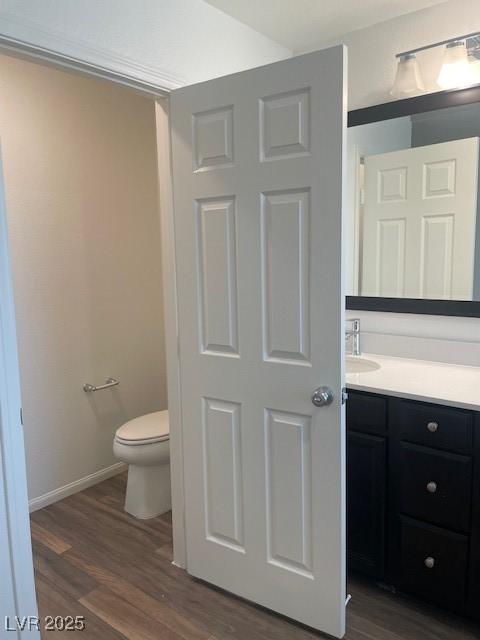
(354, 334)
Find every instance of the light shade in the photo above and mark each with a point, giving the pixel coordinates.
(408, 81)
(456, 70)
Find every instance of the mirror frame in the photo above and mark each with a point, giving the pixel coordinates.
(398, 109)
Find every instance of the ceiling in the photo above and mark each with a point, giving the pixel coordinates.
(303, 24)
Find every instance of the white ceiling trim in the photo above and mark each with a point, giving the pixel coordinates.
(53, 47)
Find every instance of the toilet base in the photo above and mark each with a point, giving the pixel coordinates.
(148, 491)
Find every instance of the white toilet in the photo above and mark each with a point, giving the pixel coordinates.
(143, 444)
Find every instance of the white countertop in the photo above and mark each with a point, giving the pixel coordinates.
(447, 384)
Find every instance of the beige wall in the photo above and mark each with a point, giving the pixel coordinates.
(80, 177)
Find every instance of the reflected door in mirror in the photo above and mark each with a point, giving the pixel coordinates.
(418, 217)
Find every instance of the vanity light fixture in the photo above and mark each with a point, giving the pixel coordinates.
(460, 67)
(408, 81)
(455, 71)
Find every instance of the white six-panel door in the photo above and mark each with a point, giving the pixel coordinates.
(257, 171)
(418, 231)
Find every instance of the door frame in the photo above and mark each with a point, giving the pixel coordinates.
(172, 332)
(14, 519)
(11, 437)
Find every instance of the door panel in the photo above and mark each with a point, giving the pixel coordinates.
(223, 473)
(390, 263)
(257, 169)
(285, 125)
(285, 218)
(213, 139)
(436, 253)
(217, 272)
(289, 488)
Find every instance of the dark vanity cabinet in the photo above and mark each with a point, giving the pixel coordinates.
(413, 482)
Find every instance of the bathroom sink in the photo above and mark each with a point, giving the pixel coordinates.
(360, 365)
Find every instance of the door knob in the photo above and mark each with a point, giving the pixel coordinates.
(322, 397)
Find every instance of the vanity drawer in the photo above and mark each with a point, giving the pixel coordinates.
(439, 427)
(433, 563)
(366, 413)
(435, 486)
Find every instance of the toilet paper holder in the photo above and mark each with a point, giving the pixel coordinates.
(109, 382)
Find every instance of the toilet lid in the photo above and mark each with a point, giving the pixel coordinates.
(152, 427)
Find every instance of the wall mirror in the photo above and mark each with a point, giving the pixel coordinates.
(413, 205)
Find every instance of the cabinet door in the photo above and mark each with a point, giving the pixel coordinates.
(366, 482)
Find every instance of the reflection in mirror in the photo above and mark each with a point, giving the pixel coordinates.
(413, 228)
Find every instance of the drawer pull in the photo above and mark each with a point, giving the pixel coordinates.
(429, 562)
(432, 426)
(432, 487)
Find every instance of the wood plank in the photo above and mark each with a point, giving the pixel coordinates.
(48, 538)
(125, 617)
(66, 577)
(53, 602)
(166, 552)
(359, 626)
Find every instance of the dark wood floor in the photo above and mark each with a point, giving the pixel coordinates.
(93, 559)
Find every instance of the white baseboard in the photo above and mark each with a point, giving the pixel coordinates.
(75, 486)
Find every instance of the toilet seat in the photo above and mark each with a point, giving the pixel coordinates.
(147, 429)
